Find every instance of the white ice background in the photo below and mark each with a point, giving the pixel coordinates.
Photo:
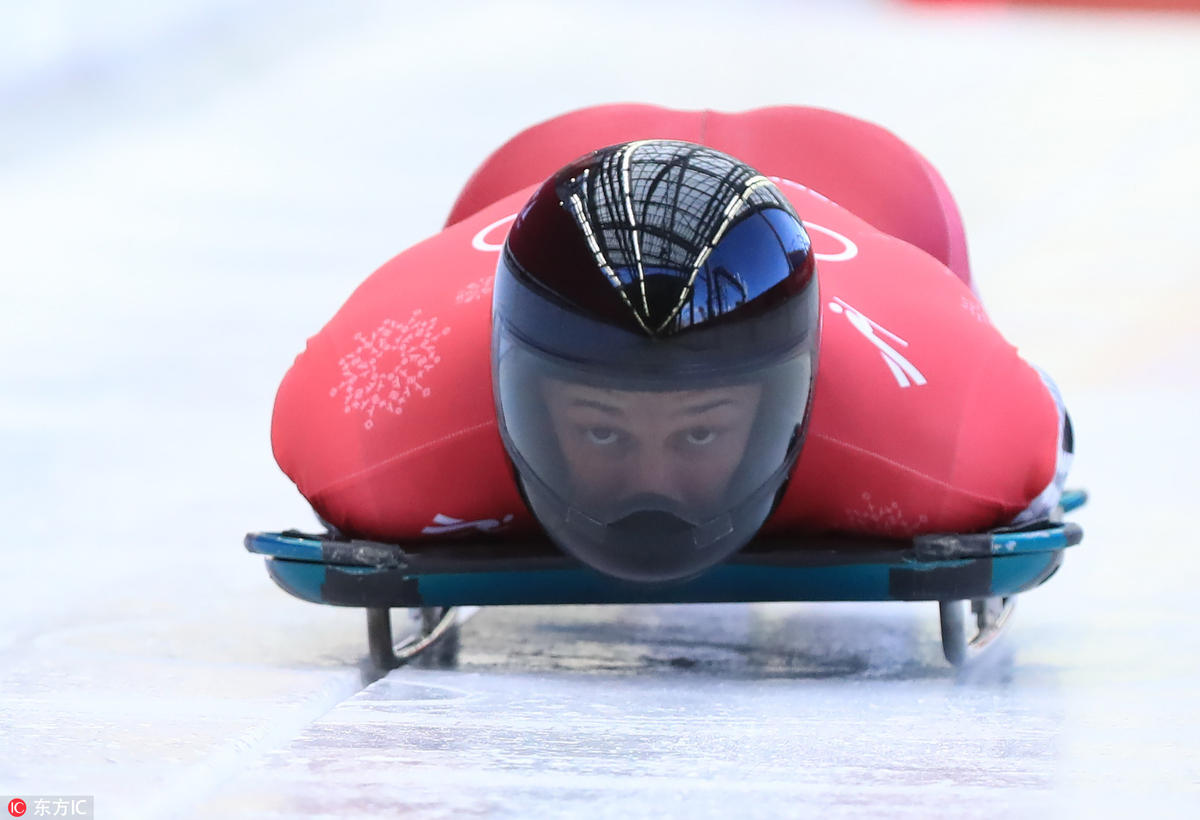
(188, 193)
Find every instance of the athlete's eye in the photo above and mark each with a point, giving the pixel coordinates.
(602, 436)
(699, 436)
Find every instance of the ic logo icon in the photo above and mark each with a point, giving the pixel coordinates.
(16, 807)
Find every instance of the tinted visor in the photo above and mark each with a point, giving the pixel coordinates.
(644, 477)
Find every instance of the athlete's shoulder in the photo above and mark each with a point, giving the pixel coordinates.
(541, 149)
(852, 252)
(397, 375)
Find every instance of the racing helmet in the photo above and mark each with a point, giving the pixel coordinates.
(654, 346)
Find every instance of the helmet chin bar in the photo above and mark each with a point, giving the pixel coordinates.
(655, 556)
(702, 534)
(642, 503)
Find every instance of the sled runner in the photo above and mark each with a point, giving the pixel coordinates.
(975, 578)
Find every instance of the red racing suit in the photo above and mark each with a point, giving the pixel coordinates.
(924, 418)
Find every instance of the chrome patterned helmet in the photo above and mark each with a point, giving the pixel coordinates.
(654, 348)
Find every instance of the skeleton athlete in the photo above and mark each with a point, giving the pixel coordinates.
(655, 334)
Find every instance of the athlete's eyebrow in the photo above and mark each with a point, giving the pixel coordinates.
(598, 405)
(697, 409)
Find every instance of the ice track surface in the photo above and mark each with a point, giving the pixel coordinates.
(186, 196)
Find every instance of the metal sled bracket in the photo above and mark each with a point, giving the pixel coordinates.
(437, 641)
(963, 642)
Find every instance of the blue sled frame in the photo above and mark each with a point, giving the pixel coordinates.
(985, 569)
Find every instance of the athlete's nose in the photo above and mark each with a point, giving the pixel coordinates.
(654, 473)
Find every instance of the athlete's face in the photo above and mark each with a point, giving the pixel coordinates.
(683, 445)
